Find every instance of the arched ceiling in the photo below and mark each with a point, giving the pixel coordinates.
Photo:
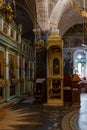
(65, 16)
(25, 15)
(29, 6)
(69, 18)
(49, 13)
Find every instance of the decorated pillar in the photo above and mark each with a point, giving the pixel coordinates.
(55, 69)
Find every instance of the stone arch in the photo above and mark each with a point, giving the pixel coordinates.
(56, 15)
(42, 14)
(64, 16)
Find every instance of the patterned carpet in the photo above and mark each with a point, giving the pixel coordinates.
(26, 116)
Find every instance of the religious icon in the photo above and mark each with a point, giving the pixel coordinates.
(56, 66)
(11, 70)
(55, 91)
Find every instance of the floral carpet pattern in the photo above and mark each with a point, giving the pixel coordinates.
(27, 116)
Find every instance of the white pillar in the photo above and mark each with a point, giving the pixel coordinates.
(7, 63)
(7, 73)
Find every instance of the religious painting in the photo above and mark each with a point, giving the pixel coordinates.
(55, 49)
(2, 64)
(5, 27)
(12, 33)
(11, 70)
(12, 66)
(56, 66)
(1, 93)
(12, 73)
(12, 88)
(17, 37)
(31, 68)
(55, 91)
(26, 69)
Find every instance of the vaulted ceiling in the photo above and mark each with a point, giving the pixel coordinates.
(25, 15)
(48, 14)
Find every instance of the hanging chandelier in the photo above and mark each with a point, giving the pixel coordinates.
(39, 45)
(39, 42)
(76, 5)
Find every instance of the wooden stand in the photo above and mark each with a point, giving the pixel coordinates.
(75, 95)
(39, 91)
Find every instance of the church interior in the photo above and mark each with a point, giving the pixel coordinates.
(43, 65)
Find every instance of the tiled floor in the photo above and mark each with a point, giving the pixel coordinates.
(27, 116)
